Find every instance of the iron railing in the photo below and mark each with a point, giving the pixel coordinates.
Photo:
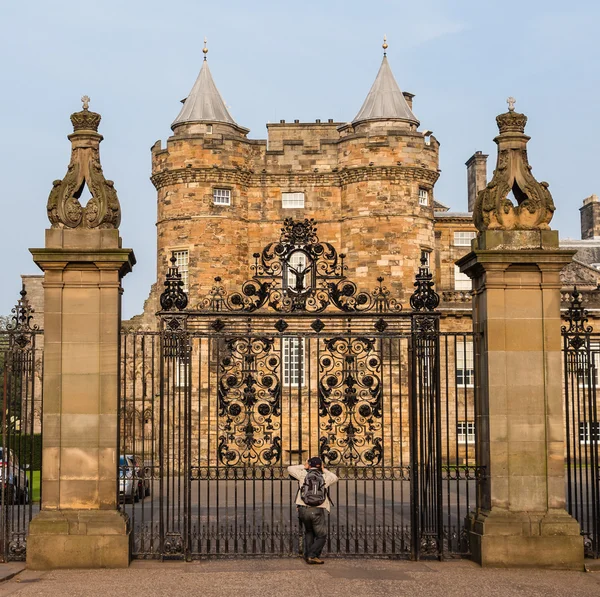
(230, 391)
(581, 366)
(21, 372)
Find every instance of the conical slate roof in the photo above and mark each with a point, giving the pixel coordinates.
(385, 100)
(204, 103)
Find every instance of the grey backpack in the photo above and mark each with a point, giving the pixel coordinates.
(313, 491)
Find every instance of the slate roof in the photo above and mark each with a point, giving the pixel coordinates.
(204, 103)
(385, 100)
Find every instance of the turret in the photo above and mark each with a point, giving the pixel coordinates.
(200, 178)
(389, 169)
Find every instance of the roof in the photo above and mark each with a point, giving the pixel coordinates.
(385, 100)
(204, 103)
(453, 214)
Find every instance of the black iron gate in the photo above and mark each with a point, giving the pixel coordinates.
(228, 393)
(21, 366)
(581, 356)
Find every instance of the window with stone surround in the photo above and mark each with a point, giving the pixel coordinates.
(465, 370)
(423, 197)
(292, 200)
(293, 361)
(222, 196)
(463, 238)
(465, 432)
(182, 261)
(589, 432)
(588, 372)
(181, 367)
(461, 281)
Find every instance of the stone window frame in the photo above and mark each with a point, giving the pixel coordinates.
(222, 188)
(185, 273)
(289, 361)
(464, 364)
(423, 195)
(462, 282)
(587, 430)
(295, 193)
(462, 235)
(465, 432)
(181, 371)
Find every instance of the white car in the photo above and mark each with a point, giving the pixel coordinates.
(15, 485)
(133, 484)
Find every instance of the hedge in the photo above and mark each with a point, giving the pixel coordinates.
(28, 449)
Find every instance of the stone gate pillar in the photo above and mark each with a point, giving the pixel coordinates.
(515, 266)
(83, 263)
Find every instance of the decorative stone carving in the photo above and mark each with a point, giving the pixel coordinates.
(103, 209)
(535, 207)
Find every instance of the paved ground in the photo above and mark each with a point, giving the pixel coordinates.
(293, 578)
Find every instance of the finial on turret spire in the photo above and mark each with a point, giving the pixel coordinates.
(205, 49)
(511, 101)
(85, 100)
(385, 44)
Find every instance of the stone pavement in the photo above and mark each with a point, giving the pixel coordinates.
(293, 578)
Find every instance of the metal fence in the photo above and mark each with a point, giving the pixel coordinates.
(581, 366)
(21, 369)
(218, 402)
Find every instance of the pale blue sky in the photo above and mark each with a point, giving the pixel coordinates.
(271, 60)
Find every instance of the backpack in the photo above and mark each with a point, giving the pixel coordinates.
(313, 491)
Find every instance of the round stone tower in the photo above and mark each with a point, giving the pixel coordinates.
(388, 171)
(201, 180)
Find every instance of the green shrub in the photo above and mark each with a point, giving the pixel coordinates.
(28, 449)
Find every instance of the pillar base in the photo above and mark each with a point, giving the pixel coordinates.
(78, 539)
(500, 538)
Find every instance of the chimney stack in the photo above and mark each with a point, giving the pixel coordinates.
(590, 217)
(476, 176)
(409, 98)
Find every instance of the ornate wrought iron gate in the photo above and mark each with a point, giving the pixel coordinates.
(228, 393)
(581, 357)
(21, 345)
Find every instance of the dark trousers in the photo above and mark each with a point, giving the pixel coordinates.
(315, 530)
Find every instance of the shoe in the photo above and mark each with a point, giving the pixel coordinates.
(314, 561)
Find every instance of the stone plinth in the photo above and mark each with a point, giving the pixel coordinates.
(79, 524)
(522, 519)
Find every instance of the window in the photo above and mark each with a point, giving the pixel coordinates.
(426, 253)
(461, 281)
(463, 238)
(589, 432)
(222, 196)
(209, 129)
(465, 432)
(465, 372)
(292, 200)
(423, 197)
(296, 269)
(586, 366)
(182, 261)
(293, 361)
(181, 372)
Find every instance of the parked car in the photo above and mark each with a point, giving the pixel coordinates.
(15, 484)
(134, 482)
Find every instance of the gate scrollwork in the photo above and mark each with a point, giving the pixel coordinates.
(350, 402)
(249, 396)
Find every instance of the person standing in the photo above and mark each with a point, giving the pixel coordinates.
(312, 500)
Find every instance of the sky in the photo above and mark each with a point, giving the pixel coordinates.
(273, 60)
